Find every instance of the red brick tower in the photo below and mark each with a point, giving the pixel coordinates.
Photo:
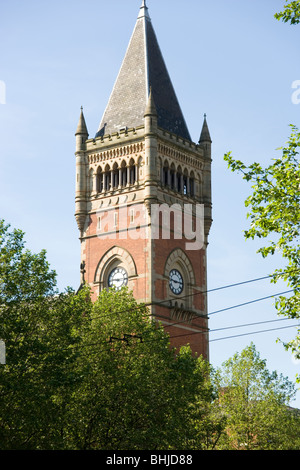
(143, 195)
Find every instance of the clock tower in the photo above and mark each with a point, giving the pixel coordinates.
(143, 195)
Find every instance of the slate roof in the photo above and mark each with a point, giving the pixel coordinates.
(143, 68)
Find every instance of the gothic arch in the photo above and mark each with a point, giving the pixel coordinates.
(178, 256)
(172, 175)
(178, 259)
(114, 257)
(115, 177)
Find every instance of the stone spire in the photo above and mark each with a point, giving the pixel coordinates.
(205, 135)
(81, 133)
(143, 68)
(81, 128)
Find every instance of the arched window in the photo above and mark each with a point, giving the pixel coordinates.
(166, 174)
(185, 188)
(172, 176)
(179, 182)
(99, 180)
(132, 175)
(107, 178)
(123, 181)
(115, 179)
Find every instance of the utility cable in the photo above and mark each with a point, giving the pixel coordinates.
(149, 304)
(250, 302)
(230, 308)
(233, 336)
(253, 333)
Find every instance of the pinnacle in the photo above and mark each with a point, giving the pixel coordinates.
(151, 108)
(205, 135)
(81, 128)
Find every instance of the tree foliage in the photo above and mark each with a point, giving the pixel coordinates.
(290, 13)
(136, 392)
(274, 214)
(83, 375)
(23, 275)
(255, 403)
(39, 328)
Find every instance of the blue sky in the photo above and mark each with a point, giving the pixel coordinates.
(231, 60)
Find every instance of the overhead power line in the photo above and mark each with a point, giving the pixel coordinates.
(228, 286)
(233, 327)
(141, 338)
(231, 308)
(250, 302)
(254, 333)
(209, 314)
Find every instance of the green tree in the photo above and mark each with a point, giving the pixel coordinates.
(290, 14)
(23, 275)
(274, 213)
(83, 375)
(274, 209)
(39, 327)
(255, 403)
(137, 393)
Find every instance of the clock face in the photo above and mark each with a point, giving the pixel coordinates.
(176, 282)
(118, 278)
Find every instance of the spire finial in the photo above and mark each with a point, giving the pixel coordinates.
(144, 11)
(81, 128)
(205, 135)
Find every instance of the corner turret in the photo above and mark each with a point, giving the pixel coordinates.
(205, 143)
(81, 174)
(205, 139)
(81, 133)
(205, 135)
